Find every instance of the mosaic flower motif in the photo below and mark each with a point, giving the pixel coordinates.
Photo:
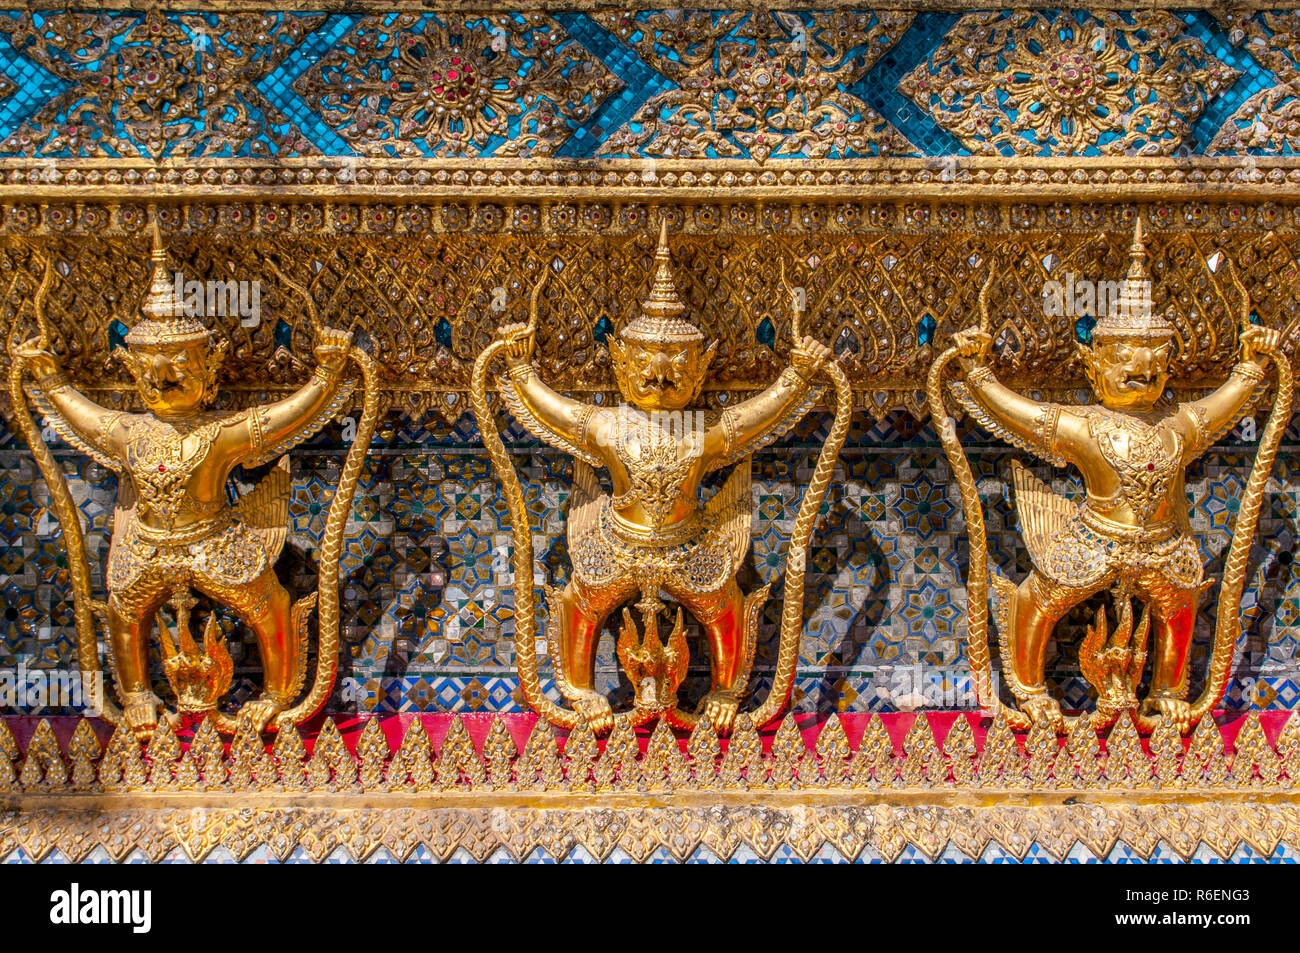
(761, 84)
(1220, 507)
(412, 85)
(929, 612)
(1027, 82)
(925, 507)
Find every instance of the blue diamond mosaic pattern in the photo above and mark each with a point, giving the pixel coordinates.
(680, 84)
(427, 576)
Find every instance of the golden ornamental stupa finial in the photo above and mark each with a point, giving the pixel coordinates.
(163, 319)
(1131, 314)
(660, 320)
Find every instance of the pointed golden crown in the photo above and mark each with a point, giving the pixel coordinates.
(1131, 314)
(660, 320)
(162, 317)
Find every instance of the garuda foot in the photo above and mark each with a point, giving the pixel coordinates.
(595, 710)
(720, 707)
(1176, 711)
(1044, 710)
(262, 710)
(140, 712)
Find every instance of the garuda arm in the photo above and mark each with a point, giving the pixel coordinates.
(566, 424)
(270, 430)
(1043, 429)
(94, 430)
(753, 424)
(1206, 420)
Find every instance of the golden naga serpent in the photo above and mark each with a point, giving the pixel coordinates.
(86, 609)
(524, 611)
(1228, 619)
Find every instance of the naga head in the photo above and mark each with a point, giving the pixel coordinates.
(169, 351)
(1128, 360)
(660, 359)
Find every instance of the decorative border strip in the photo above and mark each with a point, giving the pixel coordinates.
(222, 181)
(723, 825)
(586, 6)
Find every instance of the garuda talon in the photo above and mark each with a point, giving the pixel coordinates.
(173, 528)
(653, 535)
(1130, 535)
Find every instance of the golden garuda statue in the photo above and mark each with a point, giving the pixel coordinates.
(174, 530)
(1130, 535)
(652, 534)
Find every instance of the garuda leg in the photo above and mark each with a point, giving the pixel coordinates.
(722, 613)
(582, 614)
(1039, 604)
(131, 614)
(1175, 616)
(264, 606)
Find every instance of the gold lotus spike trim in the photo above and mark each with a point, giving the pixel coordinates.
(833, 753)
(1000, 761)
(1166, 746)
(43, 766)
(208, 753)
(580, 753)
(789, 755)
(742, 764)
(331, 766)
(705, 750)
(1206, 764)
(162, 754)
(922, 761)
(499, 754)
(873, 763)
(1042, 747)
(290, 757)
(664, 767)
(122, 767)
(412, 762)
(959, 751)
(1126, 765)
(1288, 751)
(457, 758)
(374, 752)
(541, 767)
(84, 750)
(1254, 763)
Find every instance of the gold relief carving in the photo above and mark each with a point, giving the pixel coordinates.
(771, 86)
(1270, 119)
(869, 287)
(447, 94)
(1131, 534)
(1146, 797)
(652, 535)
(147, 81)
(174, 529)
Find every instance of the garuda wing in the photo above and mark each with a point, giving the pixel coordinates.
(731, 511)
(1043, 514)
(265, 508)
(584, 503)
